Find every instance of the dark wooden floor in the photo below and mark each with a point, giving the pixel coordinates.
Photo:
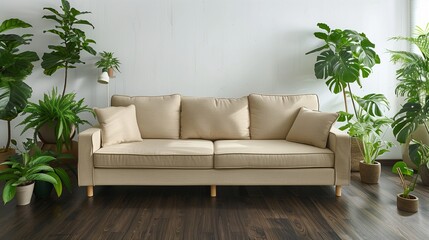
(363, 212)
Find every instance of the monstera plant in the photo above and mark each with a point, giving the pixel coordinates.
(15, 66)
(345, 57)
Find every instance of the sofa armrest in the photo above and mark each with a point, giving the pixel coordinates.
(89, 142)
(340, 143)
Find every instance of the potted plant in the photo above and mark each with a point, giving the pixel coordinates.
(367, 126)
(58, 112)
(66, 55)
(26, 168)
(413, 77)
(108, 63)
(405, 201)
(345, 57)
(15, 66)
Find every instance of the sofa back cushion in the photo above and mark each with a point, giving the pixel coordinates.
(272, 116)
(157, 116)
(215, 118)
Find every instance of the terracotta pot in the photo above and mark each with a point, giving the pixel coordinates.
(407, 204)
(356, 154)
(370, 173)
(4, 156)
(23, 194)
(424, 174)
(110, 72)
(46, 133)
(420, 134)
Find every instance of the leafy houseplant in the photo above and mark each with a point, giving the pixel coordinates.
(15, 66)
(108, 63)
(27, 167)
(405, 200)
(413, 76)
(345, 57)
(73, 40)
(60, 111)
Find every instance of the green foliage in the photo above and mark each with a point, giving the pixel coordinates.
(73, 40)
(413, 75)
(411, 115)
(367, 125)
(15, 66)
(402, 170)
(59, 111)
(345, 57)
(29, 166)
(108, 61)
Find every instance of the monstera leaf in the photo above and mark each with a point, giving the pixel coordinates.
(13, 98)
(408, 119)
(372, 103)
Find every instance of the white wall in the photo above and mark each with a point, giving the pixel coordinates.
(222, 48)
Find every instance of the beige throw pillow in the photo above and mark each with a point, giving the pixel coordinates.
(118, 125)
(312, 127)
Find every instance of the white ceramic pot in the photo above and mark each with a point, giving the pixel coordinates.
(23, 194)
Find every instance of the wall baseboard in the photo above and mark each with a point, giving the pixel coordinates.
(388, 162)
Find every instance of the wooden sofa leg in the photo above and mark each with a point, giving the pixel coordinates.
(338, 190)
(90, 191)
(213, 190)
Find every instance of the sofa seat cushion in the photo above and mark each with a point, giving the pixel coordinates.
(157, 153)
(270, 154)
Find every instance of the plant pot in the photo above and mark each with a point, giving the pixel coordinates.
(42, 190)
(421, 135)
(23, 194)
(4, 156)
(46, 133)
(424, 174)
(407, 204)
(370, 173)
(356, 154)
(110, 72)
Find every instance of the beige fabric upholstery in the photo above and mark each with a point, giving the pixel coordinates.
(157, 117)
(312, 127)
(270, 154)
(118, 124)
(157, 153)
(233, 177)
(340, 143)
(272, 116)
(89, 142)
(215, 118)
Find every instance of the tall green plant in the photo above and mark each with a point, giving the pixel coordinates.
(344, 58)
(15, 66)
(73, 40)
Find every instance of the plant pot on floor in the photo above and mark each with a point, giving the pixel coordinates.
(23, 194)
(42, 190)
(424, 174)
(356, 154)
(410, 204)
(369, 173)
(4, 156)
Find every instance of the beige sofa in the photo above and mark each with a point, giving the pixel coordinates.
(214, 141)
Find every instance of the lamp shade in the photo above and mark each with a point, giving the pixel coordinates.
(104, 78)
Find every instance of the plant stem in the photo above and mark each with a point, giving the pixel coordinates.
(8, 135)
(345, 100)
(353, 101)
(65, 79)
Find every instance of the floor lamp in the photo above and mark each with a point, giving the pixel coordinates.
(104, 79)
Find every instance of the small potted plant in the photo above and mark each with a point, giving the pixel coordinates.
(367, 126)
(24, 169)
(108, 63)
(56, 112)
(405, 201)
(16, 66)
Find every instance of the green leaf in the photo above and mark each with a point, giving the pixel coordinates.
(8, 191)
(414, 153)
(12, 24)
(58, 186)
(14, 96)
(403, 168)
(324, 26)
(321, 35)
(41, 160)
(42, 177)
(64, 178)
